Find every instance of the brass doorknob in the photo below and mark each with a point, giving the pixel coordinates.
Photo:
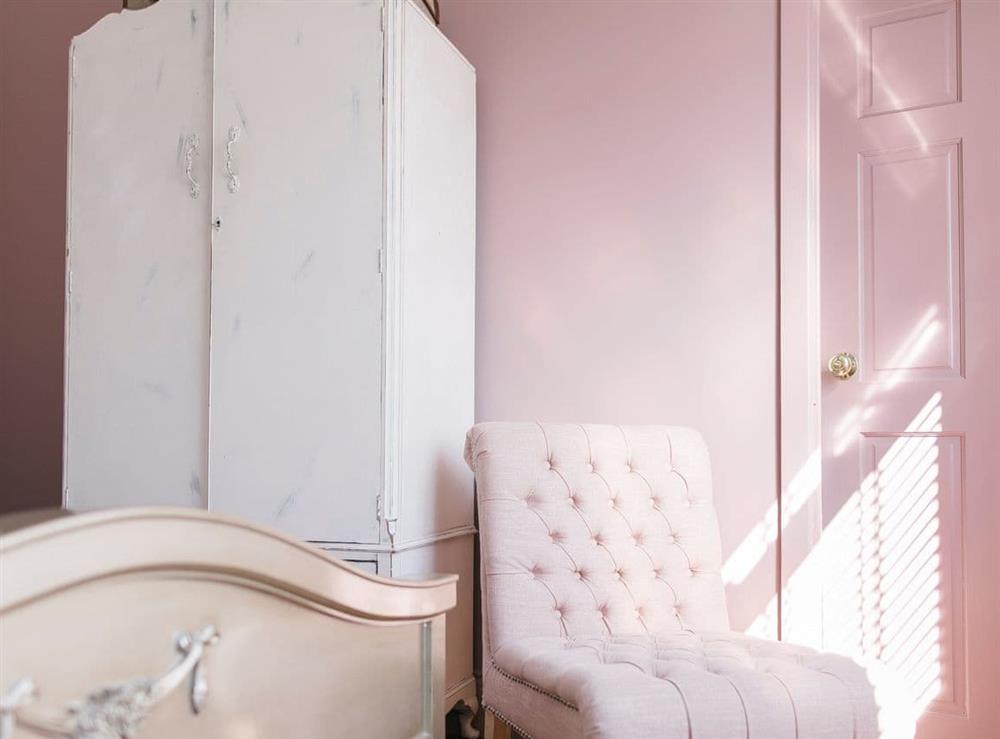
(843, 365)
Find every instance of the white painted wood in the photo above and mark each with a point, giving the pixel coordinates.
(800, 519)
(138, 259)
(296, 289)
(392, 268)
(454, 556)
(437, 254)
(443, 553)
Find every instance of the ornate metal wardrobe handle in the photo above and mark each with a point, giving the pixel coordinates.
(234, 178)
(191, 144)
(113, 711)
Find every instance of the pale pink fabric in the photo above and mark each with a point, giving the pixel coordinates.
(604, 610)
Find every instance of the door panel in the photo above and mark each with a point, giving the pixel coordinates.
(296, 290)
(138, 259)
(910, 265)
(911, 262)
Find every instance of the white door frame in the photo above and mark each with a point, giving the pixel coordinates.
(800, 511)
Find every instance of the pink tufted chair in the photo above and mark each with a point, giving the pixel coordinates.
(603, 606)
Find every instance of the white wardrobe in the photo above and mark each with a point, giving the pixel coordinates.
(270, 277)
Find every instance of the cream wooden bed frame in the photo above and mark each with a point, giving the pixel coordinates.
(242, 632)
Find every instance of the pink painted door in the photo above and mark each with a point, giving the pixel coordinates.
(910, 277)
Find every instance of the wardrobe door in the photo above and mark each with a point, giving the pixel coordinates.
(138, 250)
(296, 285)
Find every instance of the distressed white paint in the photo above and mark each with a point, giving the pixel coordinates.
(138, 259)
(296, 289)
(455, 556)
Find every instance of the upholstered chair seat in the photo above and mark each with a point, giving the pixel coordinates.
(604, 610)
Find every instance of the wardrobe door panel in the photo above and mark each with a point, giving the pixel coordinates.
(295, 437)
(138, 245)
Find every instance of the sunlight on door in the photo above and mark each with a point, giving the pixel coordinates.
(890, 565)
(887, 562)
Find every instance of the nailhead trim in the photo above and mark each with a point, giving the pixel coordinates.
(524, 734)
(531, 686)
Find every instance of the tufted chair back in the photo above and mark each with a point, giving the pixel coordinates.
(589, 530)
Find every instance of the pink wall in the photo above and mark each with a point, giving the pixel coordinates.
(626, 239)
(34, 53)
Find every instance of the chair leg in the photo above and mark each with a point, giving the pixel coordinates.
(495, 728)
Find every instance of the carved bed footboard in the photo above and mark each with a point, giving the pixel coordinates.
(269, 638)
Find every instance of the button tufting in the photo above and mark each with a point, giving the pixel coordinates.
(645, 506)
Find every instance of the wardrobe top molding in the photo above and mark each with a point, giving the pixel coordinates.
(130, 16)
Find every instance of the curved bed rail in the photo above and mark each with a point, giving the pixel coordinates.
(291, 609)
(126, 540)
